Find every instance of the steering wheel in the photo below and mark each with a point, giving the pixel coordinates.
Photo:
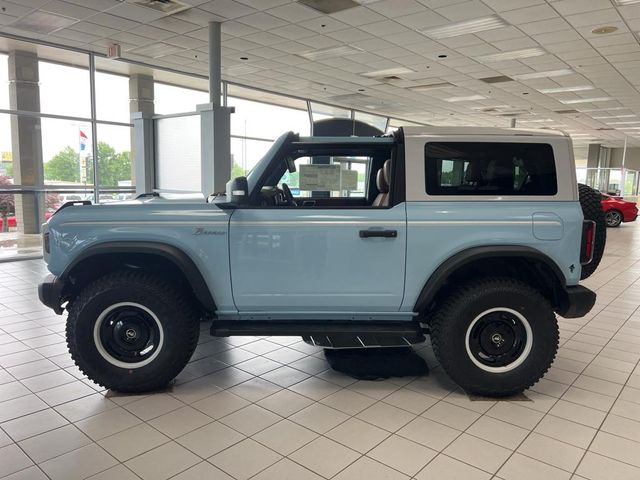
(288, 196)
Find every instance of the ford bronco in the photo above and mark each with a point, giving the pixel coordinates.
(477, 237)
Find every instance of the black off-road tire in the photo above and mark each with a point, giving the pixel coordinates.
(614, 218)
(174, 309)
(592, 210)
(455, 316)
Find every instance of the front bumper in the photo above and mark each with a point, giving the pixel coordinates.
(576, 302)
(50, 293)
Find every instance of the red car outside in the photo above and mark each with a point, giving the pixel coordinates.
(13, 223)
(618, 210)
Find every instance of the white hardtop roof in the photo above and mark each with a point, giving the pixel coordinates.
(430, 130)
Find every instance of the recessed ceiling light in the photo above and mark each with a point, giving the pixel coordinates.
(388, 72)
(329, 6)
(604, 30)
(465, 27)
(577, 88)
(547, 74)
(470, 98)
(342, 50)
(513, 55)
(586, 100)
(431, 86)
(622, 3)
(624, 123)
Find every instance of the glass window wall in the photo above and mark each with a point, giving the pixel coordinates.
(169, 99)
(4, 81)
(64, 89)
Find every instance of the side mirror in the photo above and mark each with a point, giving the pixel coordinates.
(237, 192)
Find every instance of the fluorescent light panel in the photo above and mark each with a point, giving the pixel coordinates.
(577, 88)
(388, 72)
(466, 27)
(470, 98)
(547, 74)
(331, 52)
(513, 55)
(623, 3)
(587, 100)
(432, 86)
(604, 109)
(624, 123)
(614, 116)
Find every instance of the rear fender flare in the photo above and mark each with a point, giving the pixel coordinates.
(465, 257)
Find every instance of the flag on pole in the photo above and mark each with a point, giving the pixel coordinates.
(83, 141)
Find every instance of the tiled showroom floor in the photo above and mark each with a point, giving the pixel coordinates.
(268, 408)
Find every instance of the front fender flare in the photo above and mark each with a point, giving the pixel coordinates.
(174, 254)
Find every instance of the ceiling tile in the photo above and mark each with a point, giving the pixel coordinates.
(464, 11)
(68, 9)
(174, 24)
(111, 21)
(294, 12)
(530, 14)
(358, 16)
(134, 12)
(227, 8)
(262, 21)
(396, 8)
(570, 7)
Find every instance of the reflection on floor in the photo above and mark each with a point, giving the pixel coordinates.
(269, 408)
(18, 246)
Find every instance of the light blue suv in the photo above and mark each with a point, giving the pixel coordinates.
(475, 236)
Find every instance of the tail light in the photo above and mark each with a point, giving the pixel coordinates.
(46, 243)
(588, 241)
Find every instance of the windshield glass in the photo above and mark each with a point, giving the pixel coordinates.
(254, 176)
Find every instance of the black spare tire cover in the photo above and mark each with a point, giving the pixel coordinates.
(592, 210)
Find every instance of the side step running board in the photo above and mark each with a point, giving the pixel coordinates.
(334, 334)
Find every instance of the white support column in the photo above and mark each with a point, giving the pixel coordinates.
(215, 124)
(141, 96)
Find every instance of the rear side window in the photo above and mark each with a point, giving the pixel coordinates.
(483, 168)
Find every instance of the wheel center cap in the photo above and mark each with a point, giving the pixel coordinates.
(130, 334)
(497, 339)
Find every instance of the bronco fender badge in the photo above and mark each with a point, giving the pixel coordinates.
(204, 231)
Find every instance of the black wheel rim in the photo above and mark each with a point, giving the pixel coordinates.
(497, 339)
(129, 334)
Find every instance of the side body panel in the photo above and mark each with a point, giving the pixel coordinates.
(313, 263)
(438, 230)
(200, 230)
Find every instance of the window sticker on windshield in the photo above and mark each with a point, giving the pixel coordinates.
(320, 177)
(348, 179)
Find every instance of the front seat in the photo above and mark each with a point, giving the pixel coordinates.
(382, 182)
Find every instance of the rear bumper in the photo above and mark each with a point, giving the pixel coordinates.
(50, 293)
(577, 301)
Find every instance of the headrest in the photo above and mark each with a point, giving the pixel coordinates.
(473, 174)
(383, 176)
